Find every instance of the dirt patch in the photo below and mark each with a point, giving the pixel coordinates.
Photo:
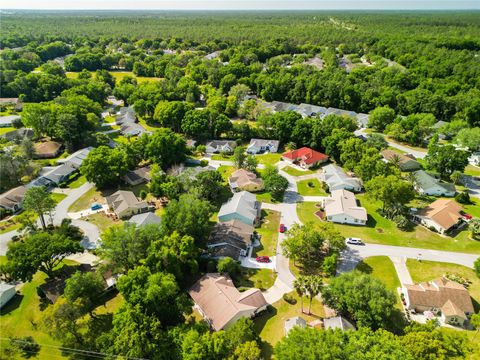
(320, 215)
(379, 230)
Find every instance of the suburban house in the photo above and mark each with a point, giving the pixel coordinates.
(337, 322)
(125, 204)
(12, 199)
(231, 238)
(132, 129)
(362, 120)
(337, 179)
(305, 157)
(112, 100)
(245, 180)
(292, 322)
(138, 176)
(47, 149)
(242, 206)
(442, 295)
(14, 102)
(76, 159)
(18, 134)
(221, 304)
(7, 292)
(341, 207)
(7, 121)
(441, 215)
(60, 174)
(145, 219)
(307, 110)
(426, 184)
(406, 162)
(340, 112)
(125, 115)
(260, 146)
(218, 146)
(474, 159)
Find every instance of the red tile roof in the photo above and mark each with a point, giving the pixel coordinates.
(306, 155)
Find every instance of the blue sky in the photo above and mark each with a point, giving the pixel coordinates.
(242, 4)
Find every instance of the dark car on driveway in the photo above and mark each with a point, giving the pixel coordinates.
(263, 259)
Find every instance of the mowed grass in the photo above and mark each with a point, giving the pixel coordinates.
(472, 170)
(4, 130)
(118, 75)
(268, 231)
(473, 208)
(422, 271)
(310, 187)
(86, 200)
(79, 181)
(306, 212)
(380, 230)
(295, 172)
(222, 157)
(57, 197)
(381, 267)
(258, 278)
(226, 172)
(270, 324)
(102, 221)
(268, 159)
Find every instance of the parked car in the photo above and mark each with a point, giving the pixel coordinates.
(283, 228)
(263, 259)
(355, 241)
(96, 206)
(467, 217)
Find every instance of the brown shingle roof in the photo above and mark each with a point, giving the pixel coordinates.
(444, 212)
(13, 196)
(242, 177)
(47, 148)
(437, 293)
(220, 301)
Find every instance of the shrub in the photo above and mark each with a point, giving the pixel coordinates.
(463, 198)
(143, 194)
(203, 163)
(402, 222)
(310, 184)
(289, 299)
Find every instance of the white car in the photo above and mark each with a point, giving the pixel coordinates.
(354, 241)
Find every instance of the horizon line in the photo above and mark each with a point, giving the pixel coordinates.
(242, 9)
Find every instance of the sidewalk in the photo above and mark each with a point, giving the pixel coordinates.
(400, 264)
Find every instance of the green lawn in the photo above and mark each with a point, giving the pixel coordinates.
(79, 181)
(226, 172)
(102, 221)
(268, 231)
(258, 278)
(472, 170)
(109, 119)
(118, 75)
(310, 187)
(4, 130)
(383, 231)
(428, 270)
(7, 226)
(265, 197)
(270, 324)
(57, 197)
(143, 122)
(86, 200)
(222, 157)
(268, 159)
(473, 208)
(295, 172)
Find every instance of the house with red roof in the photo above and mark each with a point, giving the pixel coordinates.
(305, 157)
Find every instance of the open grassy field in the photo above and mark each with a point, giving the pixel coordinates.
(295, 172)
(380, 230)
(270, 324)
(268, 159)
(428, 270)
(118, 75)
(268, 231)
(310, 187)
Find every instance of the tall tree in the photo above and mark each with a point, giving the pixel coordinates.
(38, 200)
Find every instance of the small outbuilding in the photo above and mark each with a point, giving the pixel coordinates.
(7, 292)
(295, 321)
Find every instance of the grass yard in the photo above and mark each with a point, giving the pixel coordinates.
(295, 172)
(7, 226)
(306, 212)
(86, 200)
(4, 130)
(428, 270)
(383, 231)
(473, 208)
(268, 159)
(226, 172)
(143, 122)
(102, 221)
(118, 75)
(79, 181)
(268, 231)
(472, 170)
(222, 157)
(310, 187)
(258, 278)
(270, 324)
(57, 197)
(265, 197)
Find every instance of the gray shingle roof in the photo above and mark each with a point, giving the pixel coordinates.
(243, 203)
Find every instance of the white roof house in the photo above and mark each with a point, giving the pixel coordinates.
(341, 207)
(474, 159)
(145, 219)
(337, 322)
(336, 179)
(76, 159)
(242, 206)
(262, 145)
(426, 184)
(217, 146)
(293, 322)
(7, 121)
(7, 292)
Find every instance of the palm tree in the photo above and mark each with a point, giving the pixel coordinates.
(395, 160)
(313, 284)
(299, 286)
